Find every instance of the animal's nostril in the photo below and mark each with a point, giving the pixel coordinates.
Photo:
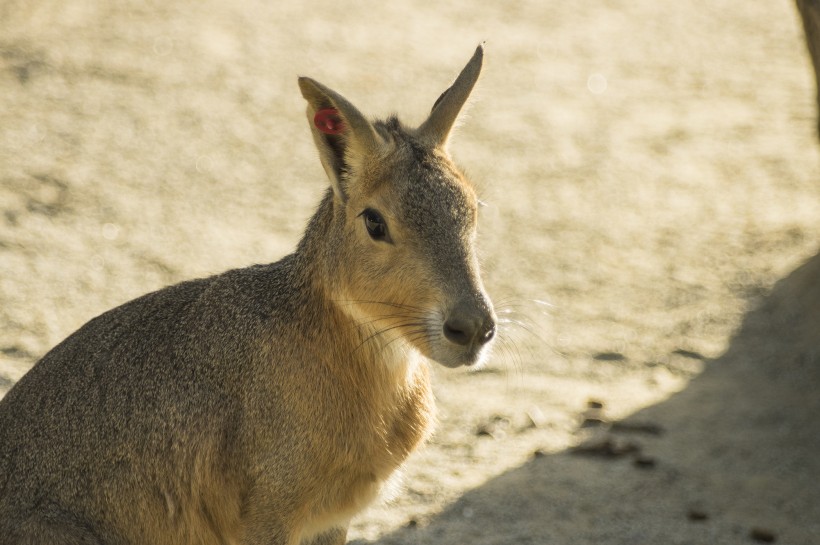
(458, 331)
(488, 334)
(463, 331)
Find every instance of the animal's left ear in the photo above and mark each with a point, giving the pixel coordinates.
(341, 133)
(436, 129)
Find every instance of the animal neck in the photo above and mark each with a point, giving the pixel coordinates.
(312, 266)
(354, 332)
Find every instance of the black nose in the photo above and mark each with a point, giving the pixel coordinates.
(463, 328)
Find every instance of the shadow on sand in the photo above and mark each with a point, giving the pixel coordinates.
(738, 460)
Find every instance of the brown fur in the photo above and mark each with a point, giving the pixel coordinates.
(266, 404)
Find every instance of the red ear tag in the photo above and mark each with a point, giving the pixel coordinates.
(328, 121)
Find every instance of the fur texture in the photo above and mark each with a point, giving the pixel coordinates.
(267, 404)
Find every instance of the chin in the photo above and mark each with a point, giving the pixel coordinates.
(459, 357)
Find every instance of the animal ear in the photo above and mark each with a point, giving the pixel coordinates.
(341, 133)
(438, 125)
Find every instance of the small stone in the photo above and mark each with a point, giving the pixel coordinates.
(536, 418)
(412, 523)
(644, 462)
(501, 420)
(763, 535)
(609, 356)
(538, 453)
(592, 422)
(697, 515)
(483, 430)
(491, 431)
(496, 427)
(689, 354)
(595, 404)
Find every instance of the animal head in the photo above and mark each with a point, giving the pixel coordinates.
(403, 231)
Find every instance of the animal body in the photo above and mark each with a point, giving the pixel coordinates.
(265, 405)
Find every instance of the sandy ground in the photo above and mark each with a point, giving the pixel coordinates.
(651, 239)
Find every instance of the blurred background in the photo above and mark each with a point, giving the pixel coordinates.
(653, 188)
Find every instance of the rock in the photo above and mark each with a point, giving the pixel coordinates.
(536, 418)
(696, 514)
(644, 462)
(609, 356)
(763, 535)
(496, 427)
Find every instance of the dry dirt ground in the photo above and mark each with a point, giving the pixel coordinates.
(650, 240)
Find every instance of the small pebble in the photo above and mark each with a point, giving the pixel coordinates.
(592, 422)
(763, 535)
(412, 523)
(644, 462)
(595, 404)
(483, 430)
(536, 418)
(539, 453)
(697, 515)
(609, 356)
(496, 428)
(689, 354)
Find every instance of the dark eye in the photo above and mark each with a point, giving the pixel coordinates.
(375, 224)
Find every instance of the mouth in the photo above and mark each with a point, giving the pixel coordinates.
(451, 355)
(459, 340)
(474, 362)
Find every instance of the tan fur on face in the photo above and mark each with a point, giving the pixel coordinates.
(431, 211)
